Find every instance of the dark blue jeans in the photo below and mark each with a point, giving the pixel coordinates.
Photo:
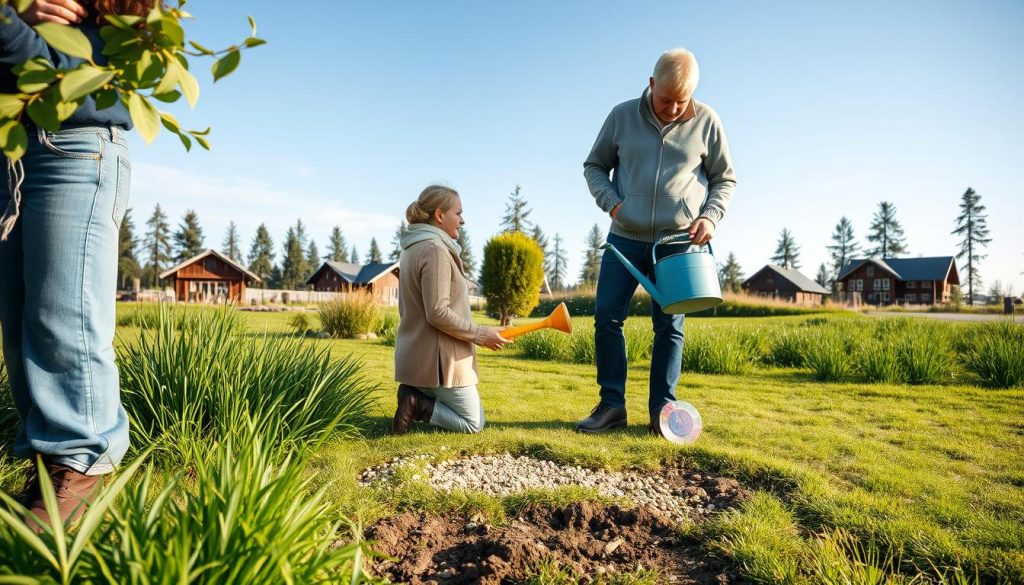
(615, 289)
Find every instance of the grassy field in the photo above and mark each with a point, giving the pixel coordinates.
(909, 480)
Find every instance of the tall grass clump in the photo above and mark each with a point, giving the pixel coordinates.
(388, 324)
(184, 389)
(995, 354)
(925, 355)
(787, 347)
(582, 349)
(639, 340)
(547, 345)
(716, 352)
(828, 355)
(241, 518)
(147, 316)
(877, 361)
(356, 313)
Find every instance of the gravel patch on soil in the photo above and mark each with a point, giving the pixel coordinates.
(591, 540)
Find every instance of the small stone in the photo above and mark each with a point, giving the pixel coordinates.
(612, 545)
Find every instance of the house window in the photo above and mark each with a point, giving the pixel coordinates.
(926, 284)
(210, 264)
(911, 298)
(860, 284)
(877, 284)
(885, 284)
(871, 270)
(885, 297)
(926, 298)
(911, 284)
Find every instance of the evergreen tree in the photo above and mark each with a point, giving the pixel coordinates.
(559, 265)
(396, 242)
(972, 226)
(354, 258)
(312, 259)
(293, 266)
(516, 213)
(261, 256)
(373, 256)
(468, 260)
(276, 277)
(824, 278)
(232, 246)
(188, 240)
(158, 246)
(128, 267)
(886, 233)
(730, 275)
(592, 257)
(844, 247)
(337, 248)
(542, 241)
(787, 253)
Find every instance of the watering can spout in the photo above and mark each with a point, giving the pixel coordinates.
(643, 280)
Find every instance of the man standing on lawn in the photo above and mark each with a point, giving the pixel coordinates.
(659, 166)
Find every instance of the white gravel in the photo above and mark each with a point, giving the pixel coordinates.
(504, 475)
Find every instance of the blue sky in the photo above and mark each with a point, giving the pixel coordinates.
(352, 108)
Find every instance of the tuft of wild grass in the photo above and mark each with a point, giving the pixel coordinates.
(761, 537)
(995, 354)
(545, 345)
(356, 313)
(300, 323)
(787, 346)
(551, 572)
(719, 351)
(184, 388)
(877, 361)
(581, 347)
(828, 355)
(925, 355)
(240, 518)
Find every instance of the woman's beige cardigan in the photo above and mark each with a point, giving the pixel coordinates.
(434, 346)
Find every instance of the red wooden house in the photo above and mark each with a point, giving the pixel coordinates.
(914, 281)
(209, 277)
(786, 284)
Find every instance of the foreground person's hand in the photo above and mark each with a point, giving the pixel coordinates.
(701, 231)
(67, 12)
(493, 339)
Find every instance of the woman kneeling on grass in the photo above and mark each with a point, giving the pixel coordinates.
(435, 357)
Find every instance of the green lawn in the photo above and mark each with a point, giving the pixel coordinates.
(911, 479)
(932, 474)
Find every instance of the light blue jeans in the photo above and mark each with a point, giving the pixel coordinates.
(58, 280)
(457, 409)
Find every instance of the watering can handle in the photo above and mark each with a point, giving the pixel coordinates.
(674, 238)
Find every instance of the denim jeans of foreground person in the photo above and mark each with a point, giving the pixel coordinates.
(58, 279)
(457, 409)
(615, 289)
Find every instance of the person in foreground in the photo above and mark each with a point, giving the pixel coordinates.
(660, 165)
(435, 353)
(59, 222)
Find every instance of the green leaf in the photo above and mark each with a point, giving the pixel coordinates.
(226, 64)
(144, 116)
(200, 48)
(11, 105)
(170, 78)
(23, 5)
(252, 25)
(13, 139)
(254, 42)
(169, 97)
(169, 122)
(187, 142)
(172, 30)
(37, 64)
(105, 99)
(65, 39)
(36, 80)
(44, 114)
(123, 22)
(65, 109)
(117, 41)
(83, 81)
(190, 87)
(201, 140)
(200, 132)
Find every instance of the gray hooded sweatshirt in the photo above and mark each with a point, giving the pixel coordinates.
(665, 177)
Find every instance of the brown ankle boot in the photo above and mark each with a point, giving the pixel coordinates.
(413, 405)
(74, 491)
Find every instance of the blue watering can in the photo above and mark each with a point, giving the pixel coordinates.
(686, 275)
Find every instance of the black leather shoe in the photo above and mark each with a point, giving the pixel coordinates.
(654, 427)
(602, 418)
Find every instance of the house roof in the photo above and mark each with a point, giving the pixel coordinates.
(211, 252)
(356, 273)
(931, 268)
(794, 276)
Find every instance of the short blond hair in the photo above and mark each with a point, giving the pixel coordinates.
(430, 200)
(677, 68)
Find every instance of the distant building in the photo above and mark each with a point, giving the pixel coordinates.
(785, 284)
(209, 277)
(380, 280)
(914, 281)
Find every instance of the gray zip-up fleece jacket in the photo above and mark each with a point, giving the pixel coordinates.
(664, 177)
